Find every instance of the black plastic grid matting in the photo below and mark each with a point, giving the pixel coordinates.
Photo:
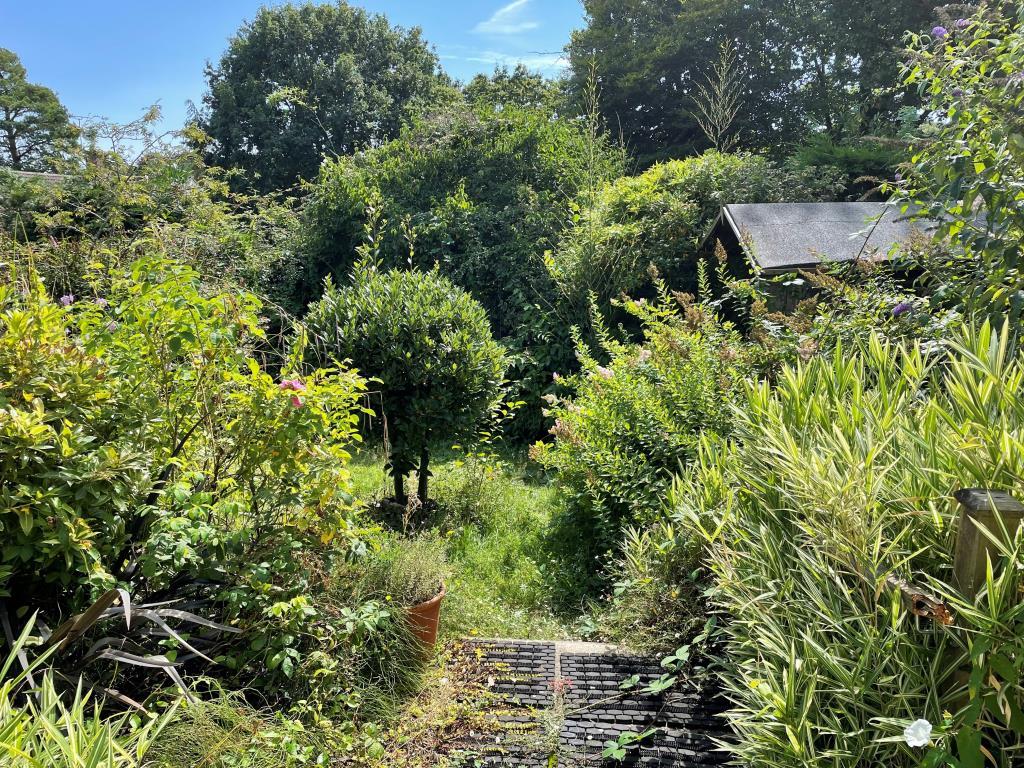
(520, 677)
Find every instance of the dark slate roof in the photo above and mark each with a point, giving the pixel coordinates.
(781, 237)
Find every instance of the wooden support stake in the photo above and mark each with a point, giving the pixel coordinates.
(981, 507)
(921, 603)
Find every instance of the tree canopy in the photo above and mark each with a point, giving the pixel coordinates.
(518, 87)
(35, 129)
(301, 82)
(481, 193)
(807, 66)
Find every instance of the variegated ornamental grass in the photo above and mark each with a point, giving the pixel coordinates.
(835, 479)
(40, 728)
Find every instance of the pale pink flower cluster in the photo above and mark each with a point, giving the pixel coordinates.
(293, 385)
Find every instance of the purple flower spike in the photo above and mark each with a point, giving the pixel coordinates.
(111, 326)
(939, 32)
(101, 302)
(67, 299)
(898, 176)
(963, 23)
(902, 308)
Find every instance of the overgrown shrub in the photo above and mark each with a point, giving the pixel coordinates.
(660, 217)
(627, 426)
(481, 194)
(143, 447)
(837, 482)
(657, 601)
(864, 165)
(428, 344)
(968, 166)
(111, 204)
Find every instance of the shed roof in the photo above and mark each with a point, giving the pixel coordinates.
(781, 237)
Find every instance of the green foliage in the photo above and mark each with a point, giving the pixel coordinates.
(20, 199)
(224, 732)
(807, 67)
(300, 82)
(40, 728)
(629, 425)
(842, 304)
(865, 165)
(507, 578)
(120, 200)
(518, 88)
(968, 166)
(56, 453)
(36, 133)
(660, 217)
(406, 571)
(838, 479)
(143, 446)
(429, 345)
(481, 194)
(657, 599)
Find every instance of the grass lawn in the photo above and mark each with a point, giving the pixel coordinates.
(493, 517)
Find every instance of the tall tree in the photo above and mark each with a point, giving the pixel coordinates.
(846, 58)
(35, 129)
(806, 65)
(518, 87)
(648, 54)
(301, 82)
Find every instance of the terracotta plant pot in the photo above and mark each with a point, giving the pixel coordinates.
(424, 618)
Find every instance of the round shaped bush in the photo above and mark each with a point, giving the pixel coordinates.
(430, 346)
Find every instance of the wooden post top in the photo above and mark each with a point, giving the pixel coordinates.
(984, 500)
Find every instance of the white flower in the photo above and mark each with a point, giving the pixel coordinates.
(918, 733)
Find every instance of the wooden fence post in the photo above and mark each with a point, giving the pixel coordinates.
(980, 506)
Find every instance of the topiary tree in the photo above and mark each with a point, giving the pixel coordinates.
(429, 344)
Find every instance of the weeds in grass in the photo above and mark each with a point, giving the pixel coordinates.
(494, 523)
(657, 600)
(225, 732)
(441, 723)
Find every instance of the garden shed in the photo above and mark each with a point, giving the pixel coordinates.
(775, 238)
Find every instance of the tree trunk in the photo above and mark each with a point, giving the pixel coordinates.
(400, 496)
(423, 476)
(12, 149)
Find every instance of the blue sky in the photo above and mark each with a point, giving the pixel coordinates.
(113, 58)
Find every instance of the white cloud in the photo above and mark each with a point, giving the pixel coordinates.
(544, 62)
(507, 20)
